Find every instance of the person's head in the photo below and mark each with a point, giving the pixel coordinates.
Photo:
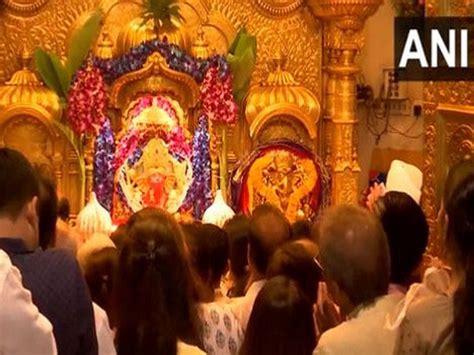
(47, 211)
(281, 321)
(119, 235)
(301, 230)
(460, 247)
(296, 261)
(18, 197)
(457, 174)
(355, 257)
(238, 229)
(407, 233)
(100, 271)
(269, 229)
(64, 209)
(154, 288)
(208, 251)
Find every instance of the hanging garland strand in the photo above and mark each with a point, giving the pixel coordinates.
(104, 171)
(199, 196)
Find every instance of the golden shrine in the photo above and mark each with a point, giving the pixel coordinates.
(297, 122)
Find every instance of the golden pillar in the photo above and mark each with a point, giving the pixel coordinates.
(343, 23)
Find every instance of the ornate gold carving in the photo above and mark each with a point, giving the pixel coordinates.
(281, 94)
(279, 8)
(155, 76)
(25, 6)
(24, 88)
(200, 47)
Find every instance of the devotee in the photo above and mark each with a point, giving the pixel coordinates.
(281, 322)
(66, 237)
(225, 324)
(208, 252)
(407, 233)
(98, 258)
(23, 329)
(295, 260)
(441, 320)
(238, 229)
(355, 258)
(269, 229)
(52, 276)
(155, 310)
(301, 230)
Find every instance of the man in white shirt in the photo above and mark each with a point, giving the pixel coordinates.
(225, 324)
(355, 257)
(24, 331)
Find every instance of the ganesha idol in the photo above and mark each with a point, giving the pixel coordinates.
(153, 166)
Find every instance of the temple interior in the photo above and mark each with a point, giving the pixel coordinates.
(289, 102)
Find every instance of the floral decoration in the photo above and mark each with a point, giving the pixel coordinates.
(87, 101)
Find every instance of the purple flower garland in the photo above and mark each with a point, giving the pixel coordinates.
(199, 196)
(104, 158)
(176, 58)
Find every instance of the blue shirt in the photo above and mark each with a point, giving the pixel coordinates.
(59, 291)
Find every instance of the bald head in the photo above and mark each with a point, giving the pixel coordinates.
(269, 229)
(354, 253)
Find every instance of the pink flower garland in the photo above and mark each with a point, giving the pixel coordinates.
(217, 100)
(87, 101)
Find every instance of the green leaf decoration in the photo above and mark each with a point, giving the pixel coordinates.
(235, 42)
(242, 58)
(165, 13)
(52, 72)
(78, 147)
(82, 42)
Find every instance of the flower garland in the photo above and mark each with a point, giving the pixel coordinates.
(199, 195)
(104, 171)
(87, 101)
(176, 58)
(217, 99)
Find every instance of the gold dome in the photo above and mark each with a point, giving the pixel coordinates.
(137, 32)
(281, 94)
(25, 88)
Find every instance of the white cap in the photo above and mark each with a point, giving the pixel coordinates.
(404, 177)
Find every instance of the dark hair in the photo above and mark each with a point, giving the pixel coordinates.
(269, 229)
(295, 260)
(64, 209)
(119, 236)
(209, 250)
(100, 271)
(154, 287)
(18, 182)
(457, 173)
(301, 230)
(281, 321)
(354, 253)
(238, 229)
(460, 245)
(47, 211)
(407, 233)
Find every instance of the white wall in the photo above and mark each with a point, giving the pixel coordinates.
(376, 55)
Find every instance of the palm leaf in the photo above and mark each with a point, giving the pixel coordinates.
(82, 41)
(77, 145)
(236, 40)
(52, 72)
(162, 12)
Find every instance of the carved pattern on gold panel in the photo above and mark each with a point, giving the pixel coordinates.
(460, 138)
(46, 26)
(429, 202)
(456, 93)
(284, 126)
(297, 35)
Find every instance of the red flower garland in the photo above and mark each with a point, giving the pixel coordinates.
(217, 99)
(87, 101)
